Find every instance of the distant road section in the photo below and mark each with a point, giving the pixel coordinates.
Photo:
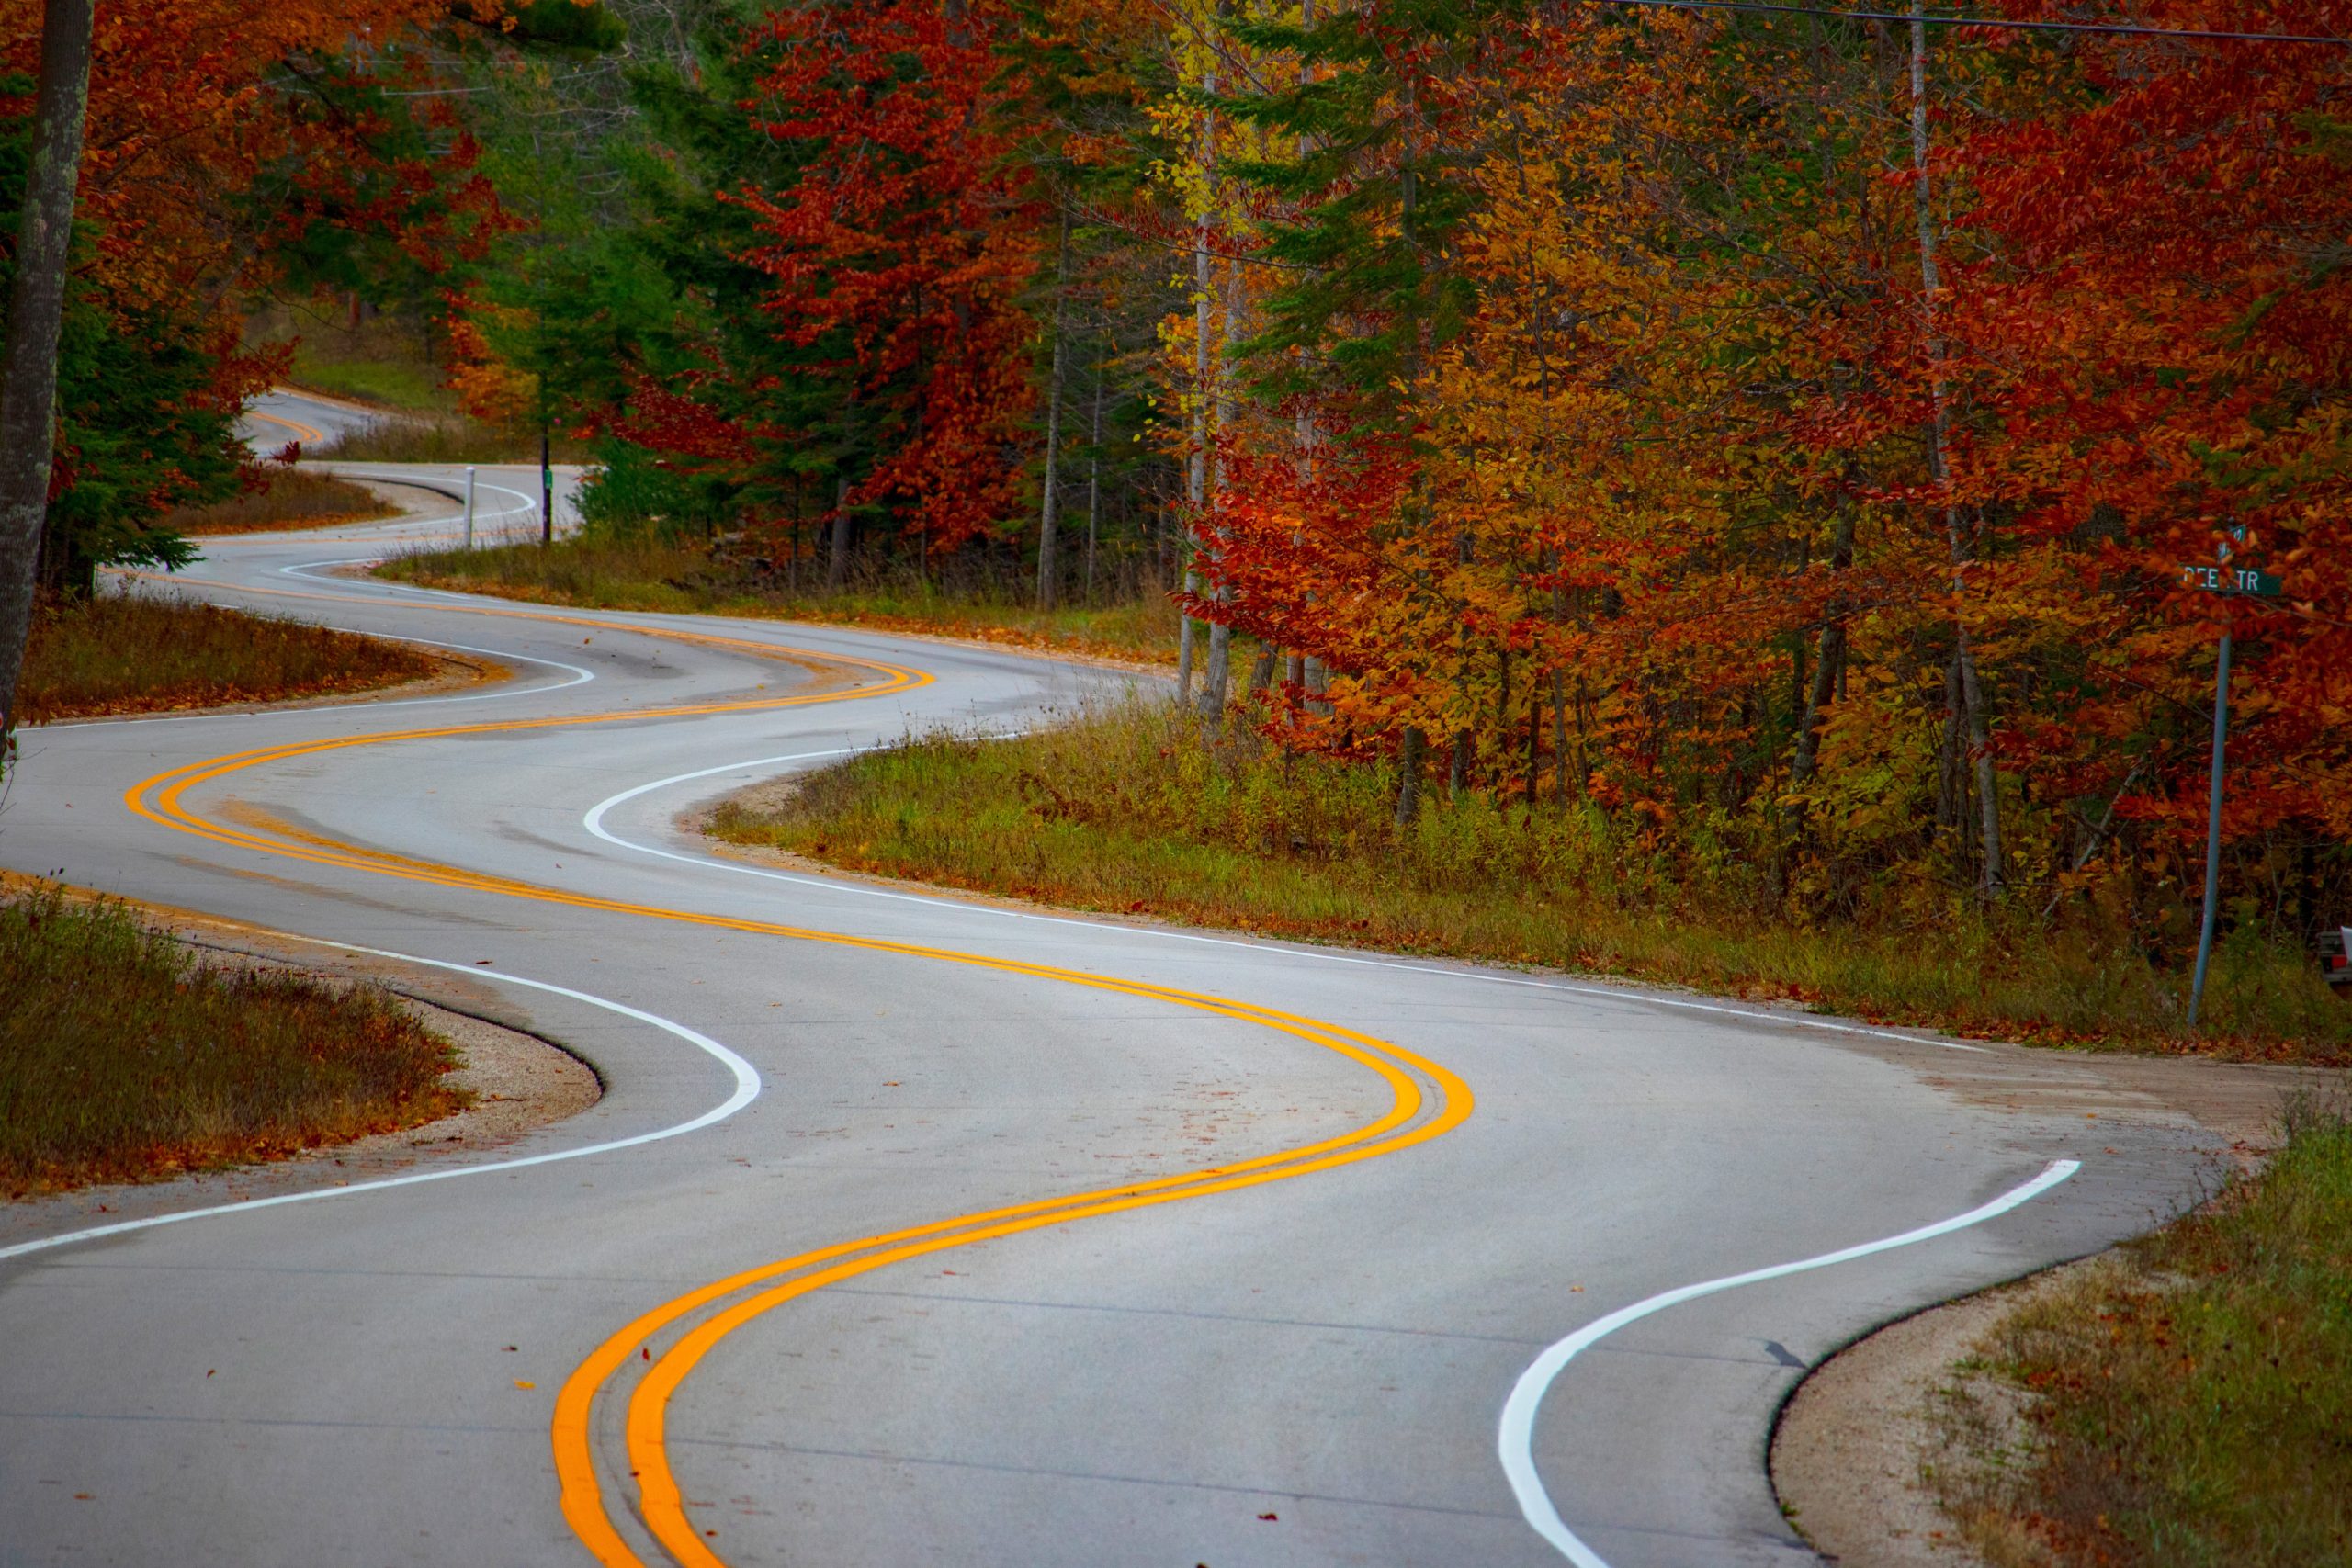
(506, 495)
(283, 415)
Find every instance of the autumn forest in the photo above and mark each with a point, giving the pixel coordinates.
(1776, 448)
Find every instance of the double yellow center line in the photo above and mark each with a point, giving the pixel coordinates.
(1415, 1114)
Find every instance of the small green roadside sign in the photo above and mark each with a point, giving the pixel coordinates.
(2241, 580)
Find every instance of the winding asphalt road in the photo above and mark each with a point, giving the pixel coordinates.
(913, 1230)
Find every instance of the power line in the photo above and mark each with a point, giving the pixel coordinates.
(2120, 29)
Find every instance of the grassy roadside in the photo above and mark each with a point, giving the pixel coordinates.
(123, 1059)
(1124, 811)
(295, 498)
(139, 653)
(441, 438)
(384, 359)
(388, 382)
(2185, 1405)
(650, 575)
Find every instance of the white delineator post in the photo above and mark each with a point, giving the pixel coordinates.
(470, 507)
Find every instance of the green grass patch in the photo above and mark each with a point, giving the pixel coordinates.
(398, 384)
(1128, 810)
(144, 653)
(597, 572)
(291, 498)
(2189, 1408)
(387, 360)
(123, 1059)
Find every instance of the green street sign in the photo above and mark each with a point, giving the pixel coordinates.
(2242, 580)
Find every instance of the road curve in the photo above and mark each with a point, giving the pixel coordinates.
(1041, 1241)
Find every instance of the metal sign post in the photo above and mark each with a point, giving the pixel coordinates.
(2232, 582)
(2213, 829)
(470, 508)
(546, 489)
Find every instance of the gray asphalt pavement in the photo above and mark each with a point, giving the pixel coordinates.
(283, 415)
(1309, 1368)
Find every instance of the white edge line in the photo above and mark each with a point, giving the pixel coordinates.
(448, 489)
(385, 589)
(594, 822)
(1515, 1438)
(747, 1089)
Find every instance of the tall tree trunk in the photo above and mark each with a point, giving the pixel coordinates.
(1829, 657)
(1952, 754)
(800, 515)
(36, 311)
(1534, 743)
(1971, 690)
(1261, 670)
(1408, 770)
(1408, 792)
(1457, 772)
(1052, 514)
(1560, 733)
(1217, 678)
(1093, 482)
(1217, 675)
(1303, 438)
(837, 569)
(1197, 479)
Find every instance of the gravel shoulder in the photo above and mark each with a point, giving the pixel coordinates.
(1856, 1442)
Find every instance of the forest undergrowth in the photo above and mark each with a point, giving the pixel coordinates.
(1124, 811)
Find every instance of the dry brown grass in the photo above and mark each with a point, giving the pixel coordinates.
(442, 438)
(295, 498)
(144, 653)
(124, 1059)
